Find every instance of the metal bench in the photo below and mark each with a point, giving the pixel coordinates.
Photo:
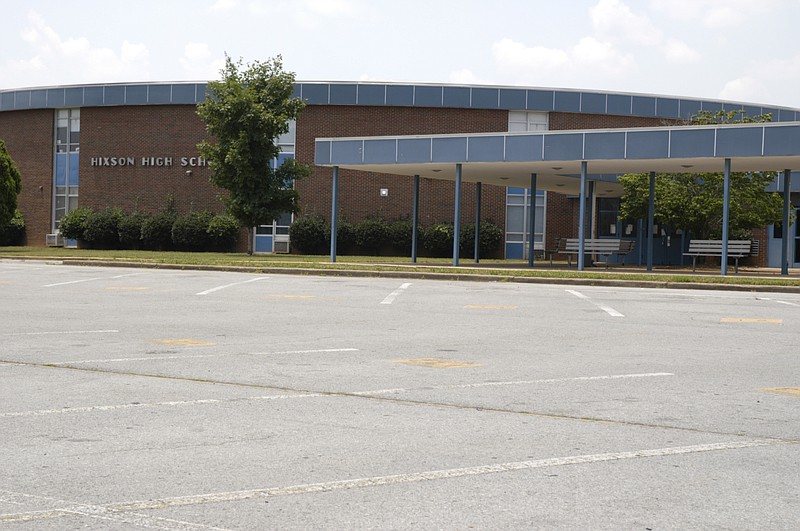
(736, 249)
(602, 247)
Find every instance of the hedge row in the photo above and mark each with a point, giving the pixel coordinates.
(374, 236)
(111, 228)
(12, 232)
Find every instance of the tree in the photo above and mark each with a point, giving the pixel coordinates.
(245, 113)
(10, 185)
(694, 202)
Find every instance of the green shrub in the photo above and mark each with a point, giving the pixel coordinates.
(308, 235)
(223, 232)
(345, 238)
(437, 240)
(372, 235)
(130, 230)
(491, 238)
(157, 231)
(190, 231)
(12, 232)
(400, 233)
(102, 228)
(73, 225)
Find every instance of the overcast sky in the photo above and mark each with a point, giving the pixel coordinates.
(742, 50)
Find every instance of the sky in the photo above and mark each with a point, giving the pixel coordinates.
(737, 50)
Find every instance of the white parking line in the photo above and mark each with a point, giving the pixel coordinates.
(61, 332)
(90, 280)
(777, 301)
(212, 290)
(393, 295)
(609, 310)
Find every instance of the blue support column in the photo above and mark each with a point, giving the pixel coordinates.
(640, 240)
(415, 221)
(457, 216)
(334, 209)
(651, 220)
(726, 214)
(532, 224)
(787, 187)
(477, 222)
(582, 216)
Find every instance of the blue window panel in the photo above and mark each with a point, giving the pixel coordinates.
(604, 146)
(563, 147)
(449, 150)
(343, 94)
(22, 99)
(74, 159)
(93, 96)
(427, 96)
(745, 142)
(263, 243)
(512, 99)
(619, 104)
(514, 251)
(183, 93)
(486, 149)
(516, 191)
(371, 94)
(520, 148)
(296, 90)
(322, 152)
(136, 94)
(648, 144)
(592, 102)
(38, 99)
(751, 111)
(315, 94)
(380, 151)
(712, 106)
(114, 95)
(667, 108)
(692, 143)
(414, 150)
(644, 106)
(774, 112)
(456, 96)
(283, 157)
(73, 97)
(55, 97)
(568, 101)
(781, 140)
(159, 94)
(400, 95)
(61, 169)
(346, 152)
(785, 116)
(540, 100)
(7, 101)
(201, 91)
(689, 108)
(485, 98)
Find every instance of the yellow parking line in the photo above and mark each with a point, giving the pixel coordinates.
(749, 320)
(792, 391)
(438, 363)
(183, 342)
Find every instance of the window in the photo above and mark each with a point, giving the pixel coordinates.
(67, 158)
(523, 122)
(518, 212)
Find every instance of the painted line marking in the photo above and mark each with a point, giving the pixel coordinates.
(212, 290)
(791, 391)
(787, 303)
(393, 295)
(118, 509)
(749, 320)
(183, 342)
(90, 280)
(61, 332)
(438, 363)
(193, 356)
(474, 307)
(609, 310)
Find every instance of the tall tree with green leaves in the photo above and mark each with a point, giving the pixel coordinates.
(694, 202)
(10, 185)
(245, 112)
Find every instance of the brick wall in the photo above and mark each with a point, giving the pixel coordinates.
(29, 139)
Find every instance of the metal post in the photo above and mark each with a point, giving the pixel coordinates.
(726, 207)
(787, 187)
(457, 216)
(651, 220)
(334, 209)
(532, 222)
(415, 221)
(582, 216)
(640, 240)
(477, 222)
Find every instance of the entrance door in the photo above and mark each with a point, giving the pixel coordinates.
(776, 244)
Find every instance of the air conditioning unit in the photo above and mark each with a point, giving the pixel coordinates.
(280, 247)
(54, 240)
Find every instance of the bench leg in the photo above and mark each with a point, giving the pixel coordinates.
(694, 263)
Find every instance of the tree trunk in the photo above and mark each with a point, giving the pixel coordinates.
(251, 241)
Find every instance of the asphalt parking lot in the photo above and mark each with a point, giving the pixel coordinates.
(136, 398)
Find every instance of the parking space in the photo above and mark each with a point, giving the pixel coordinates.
(197, 399)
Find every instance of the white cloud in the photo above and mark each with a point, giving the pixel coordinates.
(224, 5)
(512, 55)
(465, 76)
(592, 53)
(199, 63)
(330, 7)
(716, 14)
(678, 52)
(745, 88)
(614, 21)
